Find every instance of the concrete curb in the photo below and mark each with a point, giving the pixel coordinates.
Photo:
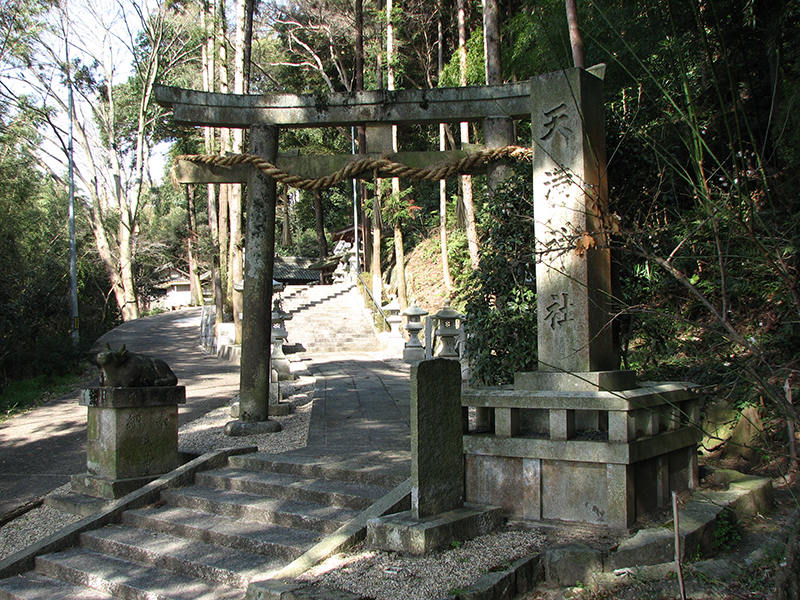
(24, 560)
(523, 575)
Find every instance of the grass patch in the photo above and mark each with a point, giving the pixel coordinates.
(20, 396)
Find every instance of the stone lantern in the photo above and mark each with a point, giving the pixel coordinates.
(395, 340)
(414, 350)
(446, 323)
(279, 334)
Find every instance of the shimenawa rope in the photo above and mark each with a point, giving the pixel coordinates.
(367, 165)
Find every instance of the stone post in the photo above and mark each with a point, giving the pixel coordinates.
(573, 271)
(438, 514)
(256, 369)
(437, 472)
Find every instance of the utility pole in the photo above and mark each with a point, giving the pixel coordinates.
(73, 265)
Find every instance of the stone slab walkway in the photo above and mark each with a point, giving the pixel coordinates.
(361, 411)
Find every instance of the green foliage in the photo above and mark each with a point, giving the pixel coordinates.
(476, 69)
(21, 395)
(727, 532)
(500, 296)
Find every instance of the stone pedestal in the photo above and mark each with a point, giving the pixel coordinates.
(438, 515)
(590, 447)
(132, 438)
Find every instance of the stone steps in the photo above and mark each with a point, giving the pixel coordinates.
(210, 539)
(33, 586)
(249, 536)
(369, 468)
(280, 512)
(327, 319)
(129, 580)
(182, 555)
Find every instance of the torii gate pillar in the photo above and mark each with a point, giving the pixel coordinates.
(256, 369)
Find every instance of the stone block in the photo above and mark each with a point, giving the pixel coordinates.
(402, 532)
(621, 496)
(506, 422)
(571, 565)
(589, 381)
(647, 547)
(529, 572)
(132, 438)
(90, 484)
(243, 428)
(500, 585)
(562, 498)
(437, 470)
(135, 397)
(562, 424)
(511, 483)
(279, 410)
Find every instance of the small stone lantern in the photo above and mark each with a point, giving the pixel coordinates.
(395, 340)
(279, 334)
(446, 322)
(414, 350)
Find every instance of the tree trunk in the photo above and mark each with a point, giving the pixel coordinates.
(498, 131)
(209, 70)
(377, 285)
(286, 223)
(195, 290)
(448, 282)
(224, 147)
(466, 180)
(400, 259)
(575, 34)
(322, 242)
(236, 192)
(398, 233)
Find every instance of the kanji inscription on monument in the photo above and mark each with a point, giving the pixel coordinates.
(573, 273)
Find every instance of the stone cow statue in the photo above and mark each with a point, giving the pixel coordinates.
(122, 368)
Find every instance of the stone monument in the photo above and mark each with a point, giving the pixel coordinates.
(577, 440)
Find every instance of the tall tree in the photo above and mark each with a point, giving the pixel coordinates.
(114, 122)
(466, 180)
(447, 280)
(576, 42)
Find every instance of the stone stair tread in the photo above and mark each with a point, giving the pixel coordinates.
(367, 469)
(338, 493)
(35, 586)
(131, 580)
(235, 568)
(235, 504)
(258, 538)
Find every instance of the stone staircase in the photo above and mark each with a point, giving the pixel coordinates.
(210, 540)
(327, 318)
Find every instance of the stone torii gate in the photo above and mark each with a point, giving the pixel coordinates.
(576, 440)
(569, 175)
